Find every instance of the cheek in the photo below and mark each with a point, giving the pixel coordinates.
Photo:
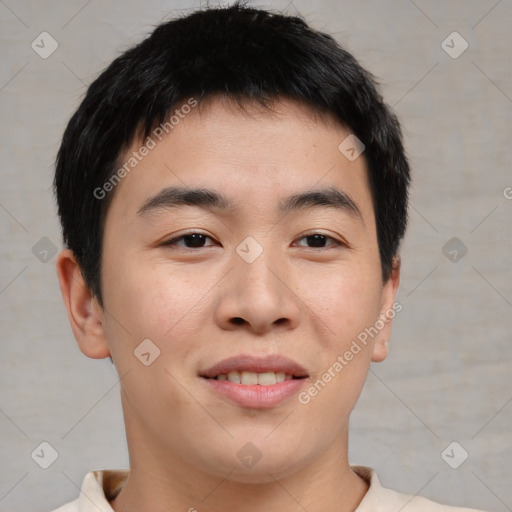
(343, 305)
(156, 301)
(150, 303)
(344, 300)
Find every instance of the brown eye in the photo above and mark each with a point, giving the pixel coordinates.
(190, 241)
(319, 241)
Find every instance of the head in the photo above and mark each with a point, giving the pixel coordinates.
(212, 205)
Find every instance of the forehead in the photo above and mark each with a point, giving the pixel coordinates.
(248, 154)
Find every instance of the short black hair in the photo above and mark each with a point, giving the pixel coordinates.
(242, 54)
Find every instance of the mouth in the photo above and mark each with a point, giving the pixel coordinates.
(254, 381)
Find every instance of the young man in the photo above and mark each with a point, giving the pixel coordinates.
(232, 192)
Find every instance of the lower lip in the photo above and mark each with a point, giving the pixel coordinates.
(256, 396)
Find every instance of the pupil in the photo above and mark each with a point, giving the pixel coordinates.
(195, 240)
(317, 240)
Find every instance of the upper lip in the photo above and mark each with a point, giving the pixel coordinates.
(258, 364)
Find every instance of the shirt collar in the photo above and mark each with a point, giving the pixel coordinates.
(99, 487)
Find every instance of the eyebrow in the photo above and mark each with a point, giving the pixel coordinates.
(175, 197)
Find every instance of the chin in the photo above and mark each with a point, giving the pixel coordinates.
(259, 462)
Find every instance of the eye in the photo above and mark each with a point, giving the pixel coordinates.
(189, 241)
(319, 241)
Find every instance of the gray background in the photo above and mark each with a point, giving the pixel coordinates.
(448, 375)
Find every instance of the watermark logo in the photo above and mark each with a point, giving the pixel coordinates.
(249, 455)
(454, 45)
(249, 249)
(44, 249)
(351, 147)
(44, 455)
(44, 45)
(454, 249)
(147, 352)
(454, 455)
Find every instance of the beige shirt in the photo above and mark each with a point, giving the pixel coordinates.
(100, 487)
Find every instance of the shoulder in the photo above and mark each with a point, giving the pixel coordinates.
(380, 499)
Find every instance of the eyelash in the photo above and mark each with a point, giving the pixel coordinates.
(335, 243)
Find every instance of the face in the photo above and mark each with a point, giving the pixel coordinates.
(276, 266)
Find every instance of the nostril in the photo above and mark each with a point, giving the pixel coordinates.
(237, 320)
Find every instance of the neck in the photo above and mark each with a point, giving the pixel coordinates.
(160, 480)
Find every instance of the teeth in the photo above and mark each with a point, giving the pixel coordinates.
(251, 378)
(248, 378)
(234, 377)
(265, 379)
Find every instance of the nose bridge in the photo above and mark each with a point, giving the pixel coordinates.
(258, 293)
(257, 273)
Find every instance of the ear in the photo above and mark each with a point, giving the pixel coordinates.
(388, 311)
(84, 312)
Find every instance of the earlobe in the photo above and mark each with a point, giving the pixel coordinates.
(380, 350)
(85, 315)
(389, 309)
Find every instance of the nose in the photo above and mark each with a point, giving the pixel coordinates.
(258, 297)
